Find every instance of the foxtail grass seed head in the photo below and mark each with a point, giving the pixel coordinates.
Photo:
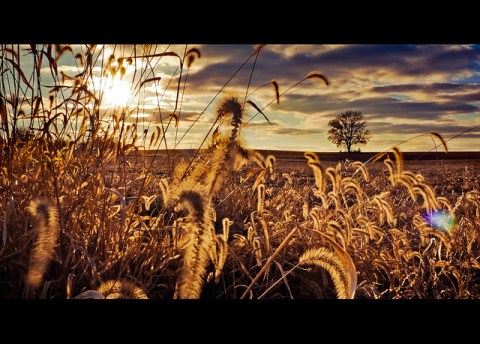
(196, 257)
(313, 75)
(277, 91)
(441, 139)
(121, 289)
(46, 230)
(323, 258)
(230, 105)
(192, 54)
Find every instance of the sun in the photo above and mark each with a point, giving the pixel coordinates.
(117, 93)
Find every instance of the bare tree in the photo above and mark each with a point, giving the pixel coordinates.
(348, 129)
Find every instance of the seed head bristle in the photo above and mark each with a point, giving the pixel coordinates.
(328, 260)
(398, 160)
(79, 57)
(200, 234)
(121, 289)
(191, 56)
(312, 157)
(229, 105)
(312, 75)
(258, 48)
(259, 110)
(46, 227)
(175, 117)
(438, 136)
(277, 92)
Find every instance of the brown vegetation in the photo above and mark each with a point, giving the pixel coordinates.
(83, 219)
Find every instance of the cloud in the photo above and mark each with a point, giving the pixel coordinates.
(272, 64)
(375, 107)
(446, 91)
(296, 131)
(409, 60)
(468, 98)
(306, 49)
(262, 124)
(361, 64)
(430, 88)
(425, 128)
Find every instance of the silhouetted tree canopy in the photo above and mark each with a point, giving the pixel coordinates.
(348, 129)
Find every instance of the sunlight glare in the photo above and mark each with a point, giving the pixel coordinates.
(117, 93)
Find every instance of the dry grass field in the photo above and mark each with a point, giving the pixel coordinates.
(287, 227)
(84, 214)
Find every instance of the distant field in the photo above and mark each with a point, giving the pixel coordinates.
(428, 163)
(335, 156)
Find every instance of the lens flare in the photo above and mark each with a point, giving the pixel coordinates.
(440, 219)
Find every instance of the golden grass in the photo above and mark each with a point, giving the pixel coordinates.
(200, 242)
(46, 231)
(327, 260)
(225, 224)
(121, 289)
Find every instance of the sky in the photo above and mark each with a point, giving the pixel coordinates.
(402, 90)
